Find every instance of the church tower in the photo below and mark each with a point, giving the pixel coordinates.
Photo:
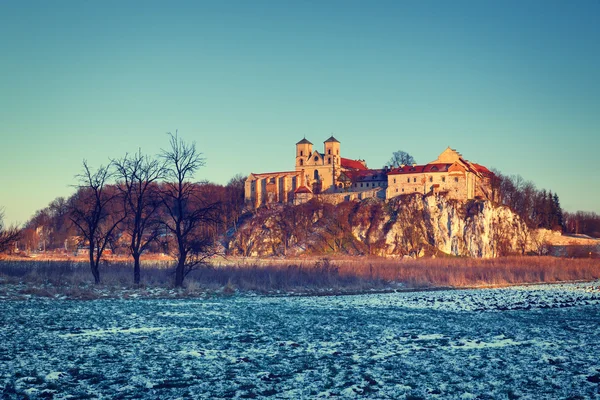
(303, 152)
(332, 151)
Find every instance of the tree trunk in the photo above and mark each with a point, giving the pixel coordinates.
(136, 268)
(94, 266)
(96, 273)
(179, 271)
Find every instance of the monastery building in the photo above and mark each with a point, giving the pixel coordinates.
(334, 178)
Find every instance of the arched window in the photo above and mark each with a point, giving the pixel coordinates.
(301, 162)
(316, 175)
(329, 160)
(301, 153)
(329, 151)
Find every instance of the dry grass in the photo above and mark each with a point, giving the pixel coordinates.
(307, 275)
(74, 279)
(470, 272)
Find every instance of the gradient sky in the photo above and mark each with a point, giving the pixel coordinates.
(512, 85)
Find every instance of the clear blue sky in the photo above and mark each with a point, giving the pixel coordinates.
(513, 85)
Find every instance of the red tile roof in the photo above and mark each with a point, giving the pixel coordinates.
(302, 189)
(353, 164)
(432, 168)
(366, 174)
(417, 169)
(481, 169)
(276, 173)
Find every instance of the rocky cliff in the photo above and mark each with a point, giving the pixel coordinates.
(410, 225)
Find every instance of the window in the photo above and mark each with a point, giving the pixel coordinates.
(415, 181)
(301, 162)
(431, 179)
(407, 180)
(272, 180)
(329, 151)
(402, 190)
(316, 158)
(316, 175)
(361, 185)
(338, 152)
(301, 153)
(329, 160)
(455, 179)
(394, 180)
(443, 179)
(396, 190)
(415, 189)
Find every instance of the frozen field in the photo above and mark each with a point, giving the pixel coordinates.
(535, 342)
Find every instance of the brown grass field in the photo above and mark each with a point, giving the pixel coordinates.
(72, 278)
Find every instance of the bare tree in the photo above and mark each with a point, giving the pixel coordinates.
(288, 222)
(96, 211)
(138, 176)
(42, 225)
(336, 233)
(400, 158)
(582, 222)
(8, 235)
(187, 210)
(234, 200)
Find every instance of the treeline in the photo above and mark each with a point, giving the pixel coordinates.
(538, 208)
(9, 235)
(139, 204)
(51, 228)
(583, 223)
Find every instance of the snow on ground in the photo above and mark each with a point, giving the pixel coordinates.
(521, 342)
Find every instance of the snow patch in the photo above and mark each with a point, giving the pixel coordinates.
(113, 331)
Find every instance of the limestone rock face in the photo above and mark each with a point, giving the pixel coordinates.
(411, 225)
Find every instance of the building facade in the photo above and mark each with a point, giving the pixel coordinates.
(334, 178)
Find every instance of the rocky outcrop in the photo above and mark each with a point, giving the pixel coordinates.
(410, 225)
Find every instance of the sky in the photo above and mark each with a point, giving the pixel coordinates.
(512, 85)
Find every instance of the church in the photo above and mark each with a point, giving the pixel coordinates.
(334, 178)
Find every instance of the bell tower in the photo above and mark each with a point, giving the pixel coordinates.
(303, 152)
(332, 151)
